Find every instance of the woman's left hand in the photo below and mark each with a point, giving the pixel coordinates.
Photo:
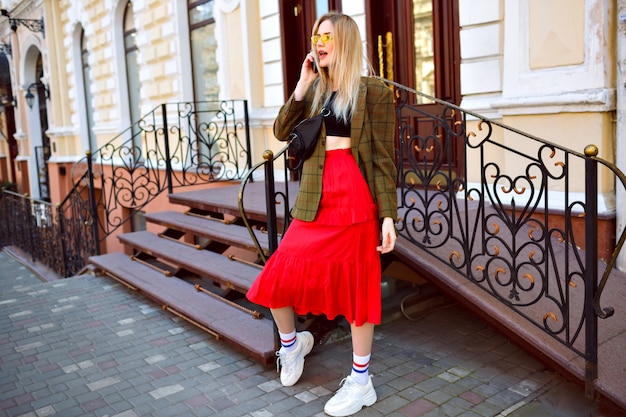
(388, 236)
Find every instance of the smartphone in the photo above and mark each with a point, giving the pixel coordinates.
(314, 67)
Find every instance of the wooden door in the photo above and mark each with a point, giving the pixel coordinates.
(296, 20)
(416, 43)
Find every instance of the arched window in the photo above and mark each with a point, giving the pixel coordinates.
(203, 49)
(88, 98)
(132, 69)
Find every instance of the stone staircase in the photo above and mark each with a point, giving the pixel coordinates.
(199, 265)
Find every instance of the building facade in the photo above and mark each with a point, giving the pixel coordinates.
(75, 74)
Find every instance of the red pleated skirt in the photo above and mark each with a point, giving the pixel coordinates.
(330, 265)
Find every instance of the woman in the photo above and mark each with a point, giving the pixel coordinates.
(328, 261)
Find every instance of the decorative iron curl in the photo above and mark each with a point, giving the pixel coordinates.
(185, 110)
(554, 169)
(519, 284)
(474, 140)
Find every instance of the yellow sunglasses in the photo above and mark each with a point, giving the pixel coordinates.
(326, 37)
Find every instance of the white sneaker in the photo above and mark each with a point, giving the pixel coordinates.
(292, 364)
(350, 398)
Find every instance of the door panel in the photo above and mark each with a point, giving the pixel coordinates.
(423, 37)
(296, 19)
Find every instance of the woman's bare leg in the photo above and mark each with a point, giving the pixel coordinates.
(284, 318)
(362, 338)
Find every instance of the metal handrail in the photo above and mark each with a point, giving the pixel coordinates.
(271, 198)
(609, 311)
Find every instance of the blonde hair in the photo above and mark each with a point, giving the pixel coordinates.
(344, 70)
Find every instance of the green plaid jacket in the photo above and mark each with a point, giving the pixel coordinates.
(373, 128)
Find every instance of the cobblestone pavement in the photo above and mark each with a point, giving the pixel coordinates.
(86, 346)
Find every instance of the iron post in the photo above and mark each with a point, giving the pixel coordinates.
(591, 268)
(92, 201)
(168, 160)
(247, 130)
(270, 193)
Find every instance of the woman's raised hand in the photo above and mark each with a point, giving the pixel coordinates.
(308, 74)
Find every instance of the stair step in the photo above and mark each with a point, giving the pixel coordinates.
(252, 336)
(224, 199)
(232, 274)
(230, 234)
(221, 200)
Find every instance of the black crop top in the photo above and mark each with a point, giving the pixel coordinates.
(335, 126)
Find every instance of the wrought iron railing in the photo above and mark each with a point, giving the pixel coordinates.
(175, 145)
(274, 197)
(506, 221)
(500, 206)
(35, 227)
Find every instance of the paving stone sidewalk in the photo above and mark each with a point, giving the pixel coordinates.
(86, 346)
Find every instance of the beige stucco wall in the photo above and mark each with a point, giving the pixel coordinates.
(482, 44)
(158, 60)
(557, 33)
(165, 66)
(546, 68)
(233, 52)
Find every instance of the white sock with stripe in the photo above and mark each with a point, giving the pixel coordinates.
(288, 341)
(360, 367)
